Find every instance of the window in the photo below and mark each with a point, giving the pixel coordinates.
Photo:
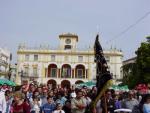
(27, 57)
(66, 73)
(80, 73)
(53, 72)
(26, 70)
(35, 71)
(52, 57)
(80, 58)
(35, 57)
(67, 47)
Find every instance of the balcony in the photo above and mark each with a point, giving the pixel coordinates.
(29, 77)
(3, 62)
(3, 73)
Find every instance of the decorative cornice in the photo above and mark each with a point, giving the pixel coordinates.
(68, 53)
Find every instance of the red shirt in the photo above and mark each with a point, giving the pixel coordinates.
(22, 108)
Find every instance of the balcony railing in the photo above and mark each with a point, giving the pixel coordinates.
(27, 75)
(65, 76)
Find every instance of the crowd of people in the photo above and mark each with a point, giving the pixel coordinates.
(34, 98)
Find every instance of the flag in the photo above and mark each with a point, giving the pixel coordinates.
(103, 76)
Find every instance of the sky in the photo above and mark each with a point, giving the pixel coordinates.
(36, 22)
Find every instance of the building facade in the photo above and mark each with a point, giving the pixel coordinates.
(64, 66)
(4, 62)
(130, 63)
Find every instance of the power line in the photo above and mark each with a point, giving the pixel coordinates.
(128, 28)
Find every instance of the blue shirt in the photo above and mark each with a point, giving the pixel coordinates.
(48, 108)
(117, 105)
(146, 108)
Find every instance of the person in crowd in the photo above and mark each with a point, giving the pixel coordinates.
(93, 93)
(40, 90)
(19, 105)
(4, 87)
(98, 107)
(117, 102)
(130, 102)
(67, 106)
(58, 108)
(49, 86)
(50, 106)
(66, 93)
(78, 104)
(35, 105)
(9, 100)
(61, 99)
(73, 94)
(44, 97)
(108, 100)
(146, 106)
(2, 102)
(51, 94)
(86, 97)
(30, 92)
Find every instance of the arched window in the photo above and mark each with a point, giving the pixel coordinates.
(66, 71)
(80, 71)
(52, 70)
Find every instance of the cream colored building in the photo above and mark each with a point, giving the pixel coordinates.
(64, 66)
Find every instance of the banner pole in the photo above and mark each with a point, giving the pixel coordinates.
(105, 103)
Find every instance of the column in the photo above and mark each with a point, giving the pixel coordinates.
(74, 73)
(46, 72)
(43, 72)
(85, 73)
(71, 73)
(89, 74)
(57, 73)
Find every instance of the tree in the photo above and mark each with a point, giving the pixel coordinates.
(129, 72)
(143, 61)
(138, 72)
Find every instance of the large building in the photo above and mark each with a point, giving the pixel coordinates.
(64, 66)
(4, 62)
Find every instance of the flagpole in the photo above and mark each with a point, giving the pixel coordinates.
(105, 103)
(103, 77)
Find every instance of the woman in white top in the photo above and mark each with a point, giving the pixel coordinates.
(59, 109)
(35, 105)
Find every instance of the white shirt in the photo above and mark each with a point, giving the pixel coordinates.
(2, 102)
(58, 111)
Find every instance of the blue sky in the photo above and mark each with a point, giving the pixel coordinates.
(36, 22)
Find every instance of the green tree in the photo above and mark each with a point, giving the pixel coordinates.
(143, 61)
(130, 71)
(138, 72)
